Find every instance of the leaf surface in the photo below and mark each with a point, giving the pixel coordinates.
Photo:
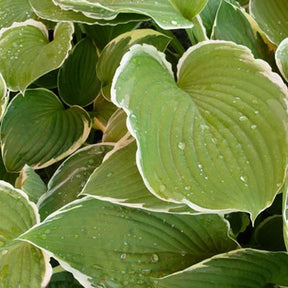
(131, 245)
(272, 17)
(4, 96)
(78, 83)
(244, 268)
(211, 121)
(26, 53)
(281, 57)
(21, 264)
(48, 136)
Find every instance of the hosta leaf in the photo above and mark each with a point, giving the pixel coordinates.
(4, 97)
(281, 56)
(167, 14)
(116, 127)
(123, 246)
(236, 25)
(111, 56)
(271, 16)
(26, 53)
(15, 11)
(123, 184)
(77, 80)
(245, 268)
(71, 176)
(35, 130)
(6, 176)
(31, 183)
(63, 280)
(21, 264)
(212, 121)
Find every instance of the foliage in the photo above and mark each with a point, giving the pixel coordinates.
(143, 143)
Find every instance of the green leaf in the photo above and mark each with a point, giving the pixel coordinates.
(26, 53)
(130, 190)
(111, 56)
(21, 264)
(131, 245)
(167, 14)
(234, 24)
(281, 57)
(239, 221)
(211, 121)
(285, 213)
(272, 18)
(31, 183)
(268, 234)
(245, 268)
(77, 80)
(15, 11)
(4, 97)
(63, 280)
(70, 177)
(6, 176)
(116, 127)
(45, 123)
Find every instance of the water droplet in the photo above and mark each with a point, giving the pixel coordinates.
(162, 188)
(181, 145)
(187, 188)
(174, 22)
(242, 118)
(123, 256)
(4, 252)
(200, 166)
(154, 258)
(243, 179)
(253, 127)
(109, 174)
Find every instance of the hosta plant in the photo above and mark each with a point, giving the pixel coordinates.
(143, 143)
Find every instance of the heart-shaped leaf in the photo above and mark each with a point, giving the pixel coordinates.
(31, 183)
(26, 53)
(245, 268)
(227, 115)
(123, 184)
(70, 177)
(21, 264)
(15, 11)
(272, 17)
(48, 137)
(123, 246)
(281, 57)
(78, 83)
(167, 14)
(111, 56)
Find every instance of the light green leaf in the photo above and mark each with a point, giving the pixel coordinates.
(212, 121)
(123, 184)
(21, 264)
(123, 246)
(26, 53)
(281, 57)
(167, 14)
(272, 17)
(234, 24)
(71, 176)
(15, 11)
(77, 80)
(45, 123)
(116, 127)
(111, 56)
(31, 183)
(245, 268)
(4, 96)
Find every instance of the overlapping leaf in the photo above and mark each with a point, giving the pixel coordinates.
(78, 83)
(245, 268)
(227, 115)
(122, 246)
(26, 53)
(3, 96)
(117, 179)
(167, 14)
(15, 11)
(281, 56)
(71, 176)
(271, 16)
(37, 130)
(21, 264)
(111, 56)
